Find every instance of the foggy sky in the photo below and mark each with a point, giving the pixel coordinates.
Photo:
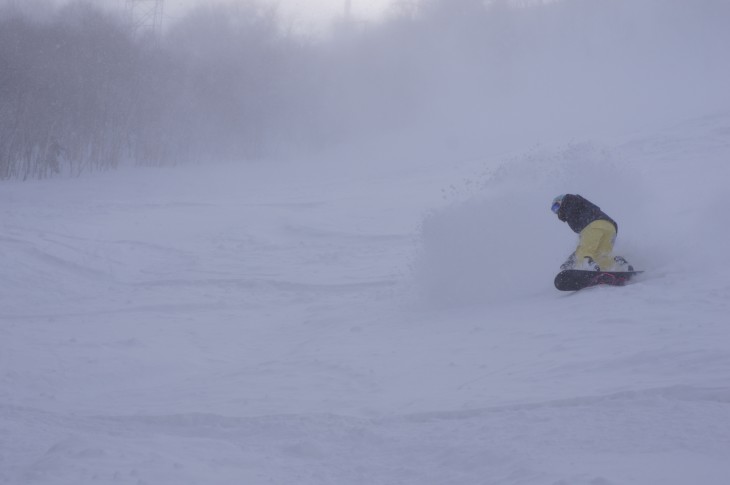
(459, 78)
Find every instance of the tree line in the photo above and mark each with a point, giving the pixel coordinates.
(80, 91)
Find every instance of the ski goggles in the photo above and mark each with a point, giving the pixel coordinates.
(556, 206)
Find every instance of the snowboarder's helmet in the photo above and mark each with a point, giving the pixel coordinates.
(556, 203)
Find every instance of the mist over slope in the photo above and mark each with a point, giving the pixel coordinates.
(372, 303)
(449, 79)
(479, 77)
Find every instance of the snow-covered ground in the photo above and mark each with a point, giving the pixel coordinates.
(369, 324)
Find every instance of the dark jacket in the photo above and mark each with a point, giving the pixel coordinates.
(579, 212)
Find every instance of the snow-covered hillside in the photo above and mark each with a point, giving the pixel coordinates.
(371, 325)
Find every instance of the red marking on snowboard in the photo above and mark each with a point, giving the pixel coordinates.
(576, 279)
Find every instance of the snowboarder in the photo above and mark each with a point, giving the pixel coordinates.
(597, 234)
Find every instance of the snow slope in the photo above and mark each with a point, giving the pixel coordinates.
(370, 325)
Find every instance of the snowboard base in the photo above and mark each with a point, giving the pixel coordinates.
(576, 279)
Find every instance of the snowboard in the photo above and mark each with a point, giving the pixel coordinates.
(577, 279)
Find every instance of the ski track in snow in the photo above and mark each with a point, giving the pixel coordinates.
(507, 444)
(260, 325)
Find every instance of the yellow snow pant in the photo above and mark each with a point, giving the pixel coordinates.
(596, 241)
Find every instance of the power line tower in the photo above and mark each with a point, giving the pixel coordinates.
(145, 16)
(348, 10)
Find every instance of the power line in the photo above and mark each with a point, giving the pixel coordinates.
(145, 16)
